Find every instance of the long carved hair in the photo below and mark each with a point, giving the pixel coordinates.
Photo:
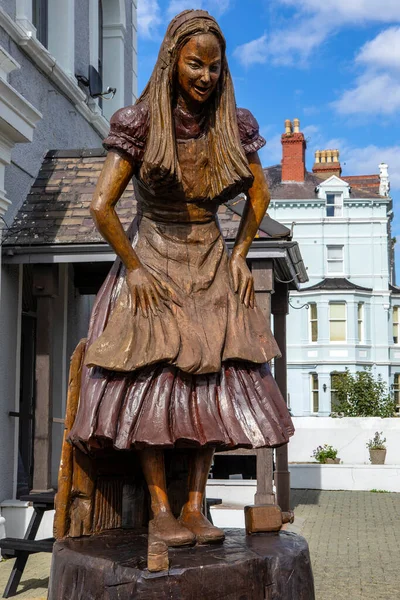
(228, 163)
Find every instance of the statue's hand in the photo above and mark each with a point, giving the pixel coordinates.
(241, 279)
(146, 292)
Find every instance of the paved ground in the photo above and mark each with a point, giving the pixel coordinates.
(354, 540)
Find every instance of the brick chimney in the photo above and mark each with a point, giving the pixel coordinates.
(327, 164)
(293, 152)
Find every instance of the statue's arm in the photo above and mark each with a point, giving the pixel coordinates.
(146, 292)
(115, 176)
(258, 198)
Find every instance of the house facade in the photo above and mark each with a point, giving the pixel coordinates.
(347, 316)
(65, 67)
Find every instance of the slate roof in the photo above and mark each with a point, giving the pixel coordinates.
(56, 210)
(395, 289)
(336, 283)
(362, 186)
(367, 183)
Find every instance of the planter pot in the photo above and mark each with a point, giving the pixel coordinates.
(377, 456)
(332, 461)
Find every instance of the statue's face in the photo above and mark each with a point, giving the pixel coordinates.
(199, 67)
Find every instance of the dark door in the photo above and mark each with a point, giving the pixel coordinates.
(27, 404)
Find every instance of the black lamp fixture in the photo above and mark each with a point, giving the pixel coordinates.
(95, 85)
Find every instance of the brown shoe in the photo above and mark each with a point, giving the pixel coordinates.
(167, 529)
(205, 532)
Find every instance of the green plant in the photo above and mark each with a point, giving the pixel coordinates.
(377, 442)
(380, 491)
(362, 395)
(323, 452)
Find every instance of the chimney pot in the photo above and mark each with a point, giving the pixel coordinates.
(296, 125)
(384, 187)
(288, 127)
(327, 164)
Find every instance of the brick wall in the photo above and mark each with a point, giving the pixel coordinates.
(293, 157)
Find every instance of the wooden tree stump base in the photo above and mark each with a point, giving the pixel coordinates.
(112, 566)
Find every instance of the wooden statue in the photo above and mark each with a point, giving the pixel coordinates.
(177, 351)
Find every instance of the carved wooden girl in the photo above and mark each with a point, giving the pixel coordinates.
(177, 348)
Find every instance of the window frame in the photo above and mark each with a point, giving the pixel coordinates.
(396, 392)
(40, 19)
(361, 323)
(330, 261)
(314, 392)
(332, 388)
(312, 320)
(336, 205)
(335, 320)
(395, 325)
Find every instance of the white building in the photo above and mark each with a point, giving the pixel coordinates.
(348, 315)
(56, 56)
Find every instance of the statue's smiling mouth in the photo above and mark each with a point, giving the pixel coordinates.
(202, 90)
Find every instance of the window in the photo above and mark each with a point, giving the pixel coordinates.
(334, 379)
(360, 321)
(337, 322)
(40, 20)
(313, 322)
(314, 393)
(334, 256)
(334, 205)
(395, 325)
(396, 392)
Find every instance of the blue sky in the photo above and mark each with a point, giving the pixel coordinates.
(334, 64)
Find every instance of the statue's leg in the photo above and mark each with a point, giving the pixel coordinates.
(192, 516)
(163, 525)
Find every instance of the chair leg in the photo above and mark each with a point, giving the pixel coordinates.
(16, 574)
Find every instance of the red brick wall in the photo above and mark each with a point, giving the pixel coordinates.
(293, 157)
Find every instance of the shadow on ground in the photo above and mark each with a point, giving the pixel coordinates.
(304, 497)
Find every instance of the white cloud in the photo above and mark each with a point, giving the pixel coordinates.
(348, 11)
(377, 90)
(383, 51)
(362, 161)
(177, 6)
(312, 22)
(253, 52)
(297, 44)
(271, 154)
(373, 94)
(149, 18)
(280, 48)
(214, 7)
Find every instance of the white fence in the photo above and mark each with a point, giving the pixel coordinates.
(349, 435)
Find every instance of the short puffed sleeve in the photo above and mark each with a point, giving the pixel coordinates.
(128, 131)
(249, 131)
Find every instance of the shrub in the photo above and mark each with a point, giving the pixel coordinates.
(361, 395)
(377, 442)
(323, 452)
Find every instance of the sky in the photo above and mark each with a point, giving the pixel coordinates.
(334, 64)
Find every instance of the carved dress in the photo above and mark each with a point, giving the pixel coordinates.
(195, 374)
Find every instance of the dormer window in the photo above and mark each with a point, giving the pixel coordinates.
(334, 205)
